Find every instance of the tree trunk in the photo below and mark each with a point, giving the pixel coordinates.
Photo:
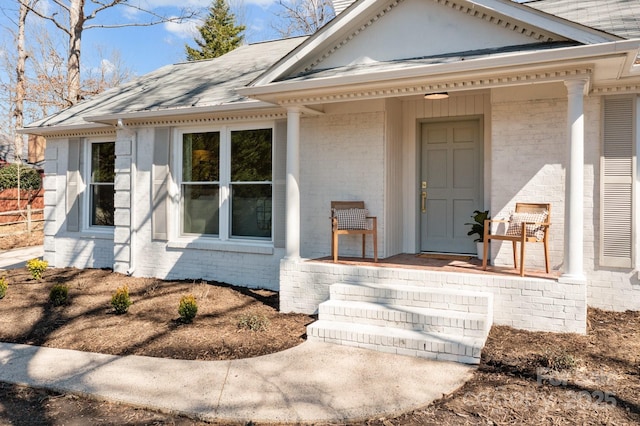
(76, 24)
(18, 112)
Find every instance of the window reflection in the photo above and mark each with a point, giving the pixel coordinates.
(101, 184)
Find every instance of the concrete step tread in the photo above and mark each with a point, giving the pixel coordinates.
(433, 312)
(397, 332)
(411, 288)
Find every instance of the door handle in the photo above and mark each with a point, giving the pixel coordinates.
(424, 201)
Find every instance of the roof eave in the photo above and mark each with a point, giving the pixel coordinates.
(109, 121)
(61, 129)
(626, 48)
(252, 104)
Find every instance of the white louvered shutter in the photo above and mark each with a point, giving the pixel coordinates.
(617, 170)
(160, 175)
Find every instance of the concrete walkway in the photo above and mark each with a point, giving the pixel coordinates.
(312, 382)
(17, 258)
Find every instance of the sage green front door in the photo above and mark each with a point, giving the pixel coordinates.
(450, 186)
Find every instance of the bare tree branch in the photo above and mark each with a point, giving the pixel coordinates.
(102, 7)
(62, 5)
(302, 17)
(48, 18)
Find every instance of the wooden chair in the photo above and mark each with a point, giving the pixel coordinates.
(349, 218)
(529, 224)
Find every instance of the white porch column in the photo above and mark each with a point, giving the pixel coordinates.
(292, 238)
(574, 185)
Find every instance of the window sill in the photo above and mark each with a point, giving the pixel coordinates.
(254, 247)
(90, 234)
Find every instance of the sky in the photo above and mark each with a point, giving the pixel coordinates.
(147, 48)
(143, 49)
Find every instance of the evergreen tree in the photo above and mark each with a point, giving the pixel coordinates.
(218, 34)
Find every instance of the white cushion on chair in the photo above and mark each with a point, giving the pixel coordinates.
(537, 231)
(351, 218)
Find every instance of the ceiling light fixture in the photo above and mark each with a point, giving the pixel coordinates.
(439, 95)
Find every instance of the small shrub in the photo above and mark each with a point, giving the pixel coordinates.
(559, 361)
(188, 308)
(59, 294)
(4, 285)
(37, 267)
(120, 300)
(29, 178)
(253, 322)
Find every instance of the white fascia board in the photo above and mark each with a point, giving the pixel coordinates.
(628, 48)
(49, 130)
(180, 112)
(552, 23)
(332, 30)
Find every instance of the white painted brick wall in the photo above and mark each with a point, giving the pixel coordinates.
(157, 259)
(528, 151)
(541, 178)
(526, 303)
(341, 158)
(62, 248)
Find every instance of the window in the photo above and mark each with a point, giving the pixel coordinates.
(226, 183)
(101, 184)
(201, 183)
(251, 183)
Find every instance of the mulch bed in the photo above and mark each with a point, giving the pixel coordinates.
(524, 377)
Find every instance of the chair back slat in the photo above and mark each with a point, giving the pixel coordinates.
(533, 208)
(342, 205)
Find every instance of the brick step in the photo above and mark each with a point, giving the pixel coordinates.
(406, 317)
(421, 344)
(424, 297)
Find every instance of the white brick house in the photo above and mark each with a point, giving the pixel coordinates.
(543, 95)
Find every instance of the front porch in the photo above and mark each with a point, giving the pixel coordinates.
(537, 302)
(442, 263)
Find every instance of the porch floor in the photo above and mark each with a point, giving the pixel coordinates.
(435, 262)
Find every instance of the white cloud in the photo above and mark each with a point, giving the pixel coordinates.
(262, 3)
(43, 6)
(182, 30)
(154, 4)
(107, 66)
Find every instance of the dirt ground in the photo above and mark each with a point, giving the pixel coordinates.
(8, 242)
(524, 377)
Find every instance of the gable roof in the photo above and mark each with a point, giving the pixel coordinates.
(188, 87)
(352, 26)
(618, 17)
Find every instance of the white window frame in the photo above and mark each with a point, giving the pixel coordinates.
(224, 240)
(86, 187)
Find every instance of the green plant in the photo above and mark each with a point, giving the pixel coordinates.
(477, 226)
(4, 285)
(253, 322)
(29, 178)
(120, 300)
(558, 360)
(59, 294)
(37, 267)
(187, 308)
